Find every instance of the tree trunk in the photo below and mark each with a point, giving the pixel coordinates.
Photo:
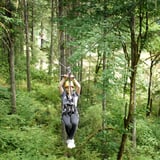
(105, 81)
(11, 57)
(134, 62)
(149, 100)
(51, 43)
(61, 39)
(25, 3)
(104, 63)
(41, 34)
(81, 70)
(12, 77)
(32, 29)
(126, 70)
(132, 104)
(104, 91)
(98, 65)
(61, 52)
(159, 110)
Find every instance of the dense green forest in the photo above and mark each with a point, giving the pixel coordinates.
(112, 48)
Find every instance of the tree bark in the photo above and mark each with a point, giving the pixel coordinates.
(11, 57)
(51, 43)
(12, 77)
(98, 65)
(159, 111)
(154, 60)
(32, 29)
(104, 103)
(104, 91)
(132, 104)
(61, 38)
(149, 99)
(25, 4)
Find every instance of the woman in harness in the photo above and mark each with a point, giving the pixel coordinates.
(70, 91)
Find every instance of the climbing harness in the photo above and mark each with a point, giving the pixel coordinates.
(69, 106)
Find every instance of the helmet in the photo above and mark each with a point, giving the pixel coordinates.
(67, 84)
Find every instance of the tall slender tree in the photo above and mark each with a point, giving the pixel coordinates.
(137, 44)
(25, 5)
(153, 61)
(51, 43)
(61, 37)
(11, 54)
(32, 27)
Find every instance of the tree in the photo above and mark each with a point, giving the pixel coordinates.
(11, 55)
(25, 5)
(51, 43)
(154, 61)
(61, 37)
(154, 56)
(137, 44)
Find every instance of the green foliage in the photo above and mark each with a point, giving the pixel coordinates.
(20, 68)
(89, 155)
(44, 116)
(47, 93)
(40, 76)
(32, 132)
(92, 118)
(148, 139)
(4, 92)
(4, 100)
(25, 105)
(29, 143)
(4, 67)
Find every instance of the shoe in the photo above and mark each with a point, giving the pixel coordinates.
(70, 143)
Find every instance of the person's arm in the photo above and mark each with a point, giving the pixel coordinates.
(77, 85)
(61, 83)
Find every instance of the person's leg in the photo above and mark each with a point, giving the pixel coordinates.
(74, 121)
(67, 122)
(68, 127)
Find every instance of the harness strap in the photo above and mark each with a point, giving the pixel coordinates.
(69, 108)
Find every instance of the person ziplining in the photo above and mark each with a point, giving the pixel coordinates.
(70, 89)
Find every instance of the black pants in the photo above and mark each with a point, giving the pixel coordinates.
(71, 121)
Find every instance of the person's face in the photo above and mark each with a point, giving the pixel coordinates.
(69, 89)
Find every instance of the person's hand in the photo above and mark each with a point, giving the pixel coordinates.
(65, 76)
(71, 77)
